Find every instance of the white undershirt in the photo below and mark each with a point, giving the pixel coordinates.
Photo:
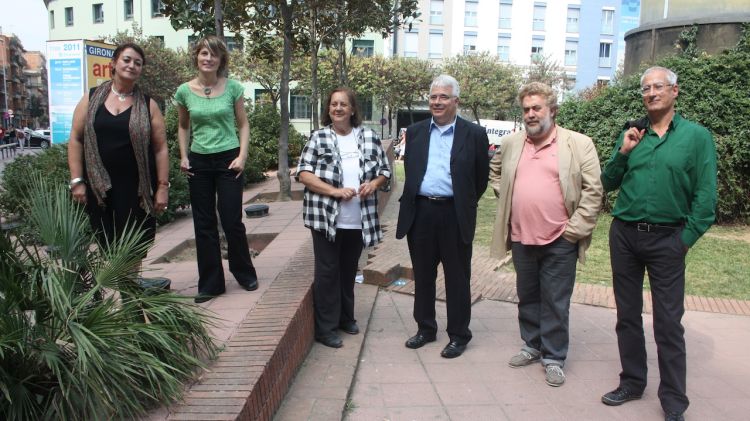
(350, 215)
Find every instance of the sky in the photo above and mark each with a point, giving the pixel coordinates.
(28, 20)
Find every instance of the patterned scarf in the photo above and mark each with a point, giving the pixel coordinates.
(140, 137)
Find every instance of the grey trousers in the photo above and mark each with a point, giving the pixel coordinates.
(544, 282)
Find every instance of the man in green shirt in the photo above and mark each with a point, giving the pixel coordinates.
(666, 173)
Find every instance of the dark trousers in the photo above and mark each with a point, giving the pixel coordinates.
(545, 276)
(663, 254)
(213, 186)
(434, 238)
(333, 283)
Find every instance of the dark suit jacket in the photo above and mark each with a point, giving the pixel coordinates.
(469, 173)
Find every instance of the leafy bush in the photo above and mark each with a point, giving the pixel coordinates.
(713, 92)
(79, 338)
(265, 129)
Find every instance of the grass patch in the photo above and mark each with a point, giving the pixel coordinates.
(717, 266)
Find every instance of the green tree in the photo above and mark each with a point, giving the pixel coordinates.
(488, 86)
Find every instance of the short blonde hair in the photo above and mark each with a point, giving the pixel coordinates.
(541, 89)
(217, 48)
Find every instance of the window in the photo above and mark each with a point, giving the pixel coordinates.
(600, 83)
(411, 44)
(605, 54)
(470, 43)
(68, 16)
(539, 12)
(127, 6)
(363, 47)
(574, 14)
(299, 106)
(365, 107)
(98, 11)
(571, 53)
(503, 48)
(436, 12)
(537, 48)
(263, 96)
(157, 8)
(436, 45)
(608, 21)
(506, 8)
(51, 19)
(470, 13)
(232, 44)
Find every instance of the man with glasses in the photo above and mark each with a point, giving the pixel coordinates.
(446, 166)
(666, 174)
(547, 181)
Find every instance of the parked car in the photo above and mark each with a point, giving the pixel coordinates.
(40, 138)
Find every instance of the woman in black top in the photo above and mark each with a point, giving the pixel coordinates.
(117, 152)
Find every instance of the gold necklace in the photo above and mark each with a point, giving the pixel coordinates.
(120, 96)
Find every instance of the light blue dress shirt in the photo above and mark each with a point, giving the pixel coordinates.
(437, 177)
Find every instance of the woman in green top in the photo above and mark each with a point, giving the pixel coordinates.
(210, 106)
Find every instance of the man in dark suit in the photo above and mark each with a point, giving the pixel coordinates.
(447, 170)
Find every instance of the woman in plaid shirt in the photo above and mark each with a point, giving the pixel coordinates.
(342, 166)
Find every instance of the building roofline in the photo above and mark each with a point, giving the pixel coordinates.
(699, 20)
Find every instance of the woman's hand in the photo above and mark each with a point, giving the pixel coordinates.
(79, 193)
(185, 166)
(238, 165)
(344, 193)
(366, 189)
(161, 199)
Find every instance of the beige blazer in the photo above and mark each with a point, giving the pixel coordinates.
(579, 179)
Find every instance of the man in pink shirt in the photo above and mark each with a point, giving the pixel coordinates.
(547, 181)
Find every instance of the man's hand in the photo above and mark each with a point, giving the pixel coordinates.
(632, 138)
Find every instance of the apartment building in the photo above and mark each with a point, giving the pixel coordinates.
(582, 36)
(13, 92)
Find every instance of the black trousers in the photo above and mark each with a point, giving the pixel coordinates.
(333, 282)
(544, 281)
(663, 255)
(434, 238)
(213, 186)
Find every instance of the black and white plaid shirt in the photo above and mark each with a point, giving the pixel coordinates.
(321, 157)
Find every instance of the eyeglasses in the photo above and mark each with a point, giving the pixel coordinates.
(657, 87)
(441, 98)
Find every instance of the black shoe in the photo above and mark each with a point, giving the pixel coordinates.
(674, 416)
(201, 298)
(332, 341)
(619, 396)
(252, 286)
(350, 327)
(419, 340)
(453, 350)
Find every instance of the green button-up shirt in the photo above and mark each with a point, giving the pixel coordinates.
(671, 179)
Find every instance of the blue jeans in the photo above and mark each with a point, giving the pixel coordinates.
(215, 187)
(545, 276)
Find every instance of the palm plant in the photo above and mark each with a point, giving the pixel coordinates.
(79, 338)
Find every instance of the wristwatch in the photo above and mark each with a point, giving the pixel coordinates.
(76, 181)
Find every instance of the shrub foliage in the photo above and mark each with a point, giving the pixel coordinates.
(79, 338)
(713, 92)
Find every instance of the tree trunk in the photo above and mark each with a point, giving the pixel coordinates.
(219, 20)
(475, 111)
(314, 67)
(285, 182)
